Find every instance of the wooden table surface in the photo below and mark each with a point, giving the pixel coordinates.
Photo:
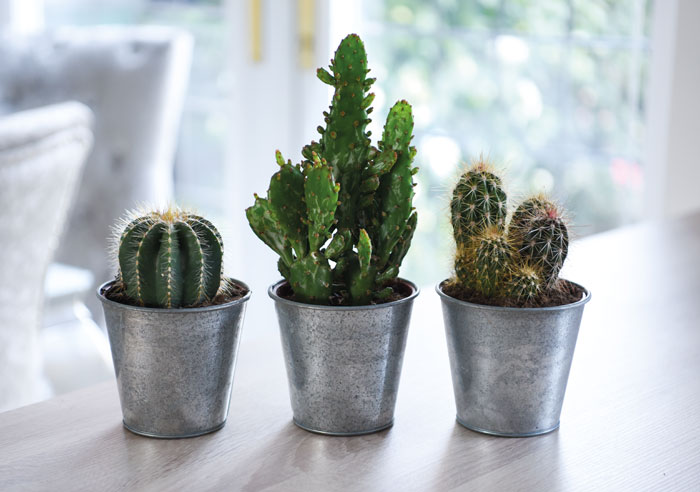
(631, 417)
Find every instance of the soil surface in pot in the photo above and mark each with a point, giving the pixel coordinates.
(230, 291)
(401, 291)
(564, 292)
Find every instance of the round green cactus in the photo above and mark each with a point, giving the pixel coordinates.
(170, 259)
(524, 284)
(478, 202)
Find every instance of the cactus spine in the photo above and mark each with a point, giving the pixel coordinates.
(346, 191)
(170, 259)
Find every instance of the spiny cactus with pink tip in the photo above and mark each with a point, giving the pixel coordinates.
(538, 231)
(517, 261)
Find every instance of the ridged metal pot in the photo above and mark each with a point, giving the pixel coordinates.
(510, 366)
(343, 362)
(174, 367)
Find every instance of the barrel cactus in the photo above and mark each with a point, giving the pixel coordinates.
(170, 259)
(342, 220)
(516, 262)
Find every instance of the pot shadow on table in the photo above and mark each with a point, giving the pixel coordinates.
(295, 459)
(171, 463)
(506, 463)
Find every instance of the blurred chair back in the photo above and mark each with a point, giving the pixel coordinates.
(134, 79)
(42, 152)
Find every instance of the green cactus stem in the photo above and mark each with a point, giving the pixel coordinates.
(295, 221)
(362, 273)
(170, 259)
(478, 201)
(524, 284)
(544, 242)
(395, 192)
(345, 143)
(491, 260)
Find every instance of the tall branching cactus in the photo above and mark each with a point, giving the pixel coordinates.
(518, 261)
(170, 259)
(342, 221)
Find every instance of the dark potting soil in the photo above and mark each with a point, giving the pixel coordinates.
(401, 290)
(231, 291)
(564, 292)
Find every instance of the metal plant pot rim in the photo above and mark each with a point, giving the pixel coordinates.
(205, 309)
(586, 297)
(272, 292)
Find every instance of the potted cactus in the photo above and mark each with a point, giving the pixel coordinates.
(342, 222)
(174, 324)
(511, 322)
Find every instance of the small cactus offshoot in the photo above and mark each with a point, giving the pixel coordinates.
(342, 220)
(517, 262)
(170, 259)
(524, 284)
(491, 260)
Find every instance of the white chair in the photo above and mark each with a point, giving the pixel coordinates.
(42, 152)
(134, 80)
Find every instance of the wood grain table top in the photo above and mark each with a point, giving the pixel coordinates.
(631, 417)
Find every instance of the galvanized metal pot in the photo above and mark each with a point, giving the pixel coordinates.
(343, 363)
(174, 367)
(510, 366)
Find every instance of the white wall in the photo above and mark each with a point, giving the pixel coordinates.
(673, 129)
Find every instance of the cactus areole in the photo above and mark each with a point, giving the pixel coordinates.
(170, 259)
(342, 220)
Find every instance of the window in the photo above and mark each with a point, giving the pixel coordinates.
(553, 90)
